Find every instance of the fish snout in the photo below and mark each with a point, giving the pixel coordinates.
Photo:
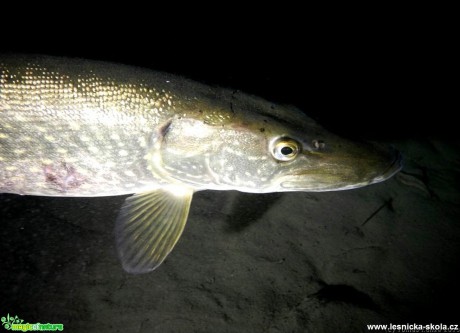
(342, 166)
(393, 167)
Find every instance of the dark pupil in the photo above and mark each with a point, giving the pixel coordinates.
(286, 151)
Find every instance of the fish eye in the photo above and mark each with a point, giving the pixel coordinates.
(285, 149)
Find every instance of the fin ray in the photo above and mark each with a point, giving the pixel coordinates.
(148, 227)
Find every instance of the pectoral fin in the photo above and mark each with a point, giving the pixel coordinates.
(149, 225)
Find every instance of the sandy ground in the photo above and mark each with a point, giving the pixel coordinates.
(293, 262)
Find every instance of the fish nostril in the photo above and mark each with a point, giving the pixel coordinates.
(319, 144)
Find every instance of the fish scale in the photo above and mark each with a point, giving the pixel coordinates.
(84, 110)
(74, 127)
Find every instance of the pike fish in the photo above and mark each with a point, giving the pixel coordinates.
(81, 128)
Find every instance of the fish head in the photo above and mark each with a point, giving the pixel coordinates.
(327, 162)
(260, 147)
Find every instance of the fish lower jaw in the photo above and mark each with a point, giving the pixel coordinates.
(293, 186)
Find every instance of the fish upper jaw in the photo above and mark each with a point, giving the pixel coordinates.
(395, 166)
(336, 176)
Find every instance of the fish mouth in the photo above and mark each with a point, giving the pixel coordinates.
(319, 182)
(394, 167)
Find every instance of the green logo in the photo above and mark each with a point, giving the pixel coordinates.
(15, 324)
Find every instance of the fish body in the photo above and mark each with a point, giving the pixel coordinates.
(80, 128)
(73, 127)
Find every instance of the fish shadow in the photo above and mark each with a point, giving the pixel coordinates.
(246, 209)
(345, 294)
